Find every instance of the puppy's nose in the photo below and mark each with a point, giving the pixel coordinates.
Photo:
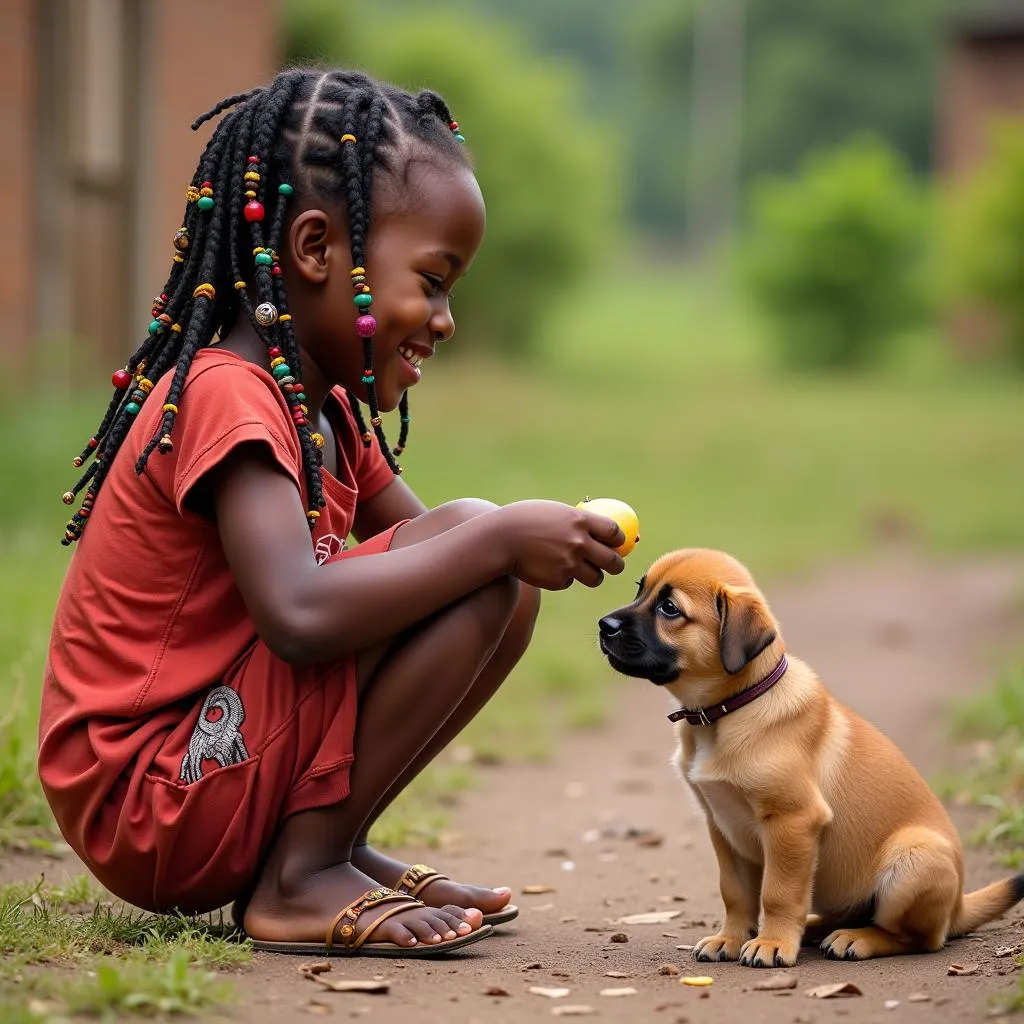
(610, 625)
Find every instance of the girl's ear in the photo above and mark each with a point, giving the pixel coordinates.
(308, 245)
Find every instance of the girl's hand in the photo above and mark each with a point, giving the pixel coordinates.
(549, 544)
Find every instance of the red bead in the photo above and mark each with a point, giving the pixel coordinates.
(254, 211)
(93, 442)
(163, 295)
(273, 352)
(253, 160)
(207, 184)
(121, 379)
(275, 270)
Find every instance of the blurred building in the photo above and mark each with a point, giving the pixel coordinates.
(96, 99)
(984, 78)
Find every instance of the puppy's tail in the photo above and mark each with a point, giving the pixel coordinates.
(984, 905)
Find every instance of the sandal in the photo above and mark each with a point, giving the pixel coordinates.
(357, 945)
(419, 876)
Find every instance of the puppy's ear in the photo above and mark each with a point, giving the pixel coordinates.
(745, 627)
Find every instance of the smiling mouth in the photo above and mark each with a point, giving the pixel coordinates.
(410, 355)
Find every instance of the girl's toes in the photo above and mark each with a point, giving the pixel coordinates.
(468, 915)
(425, 929)
(401, 934)
(454, 923)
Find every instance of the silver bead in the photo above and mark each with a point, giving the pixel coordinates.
(266, 314)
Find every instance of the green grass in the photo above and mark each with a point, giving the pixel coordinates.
(57, 942)
(995, 778)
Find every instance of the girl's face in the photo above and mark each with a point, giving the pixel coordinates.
(418, 248)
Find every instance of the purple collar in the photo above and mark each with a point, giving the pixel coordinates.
(705, 716)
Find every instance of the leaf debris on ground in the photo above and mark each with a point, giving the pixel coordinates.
(653, 917)
(962, 970)
(572, 1011)
(615, 993)
(548, 993)
(776, 983)
(838, 990)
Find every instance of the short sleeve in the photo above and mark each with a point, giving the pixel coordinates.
(226, 403)
(369, 467)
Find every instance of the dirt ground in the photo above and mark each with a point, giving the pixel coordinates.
(895, 639)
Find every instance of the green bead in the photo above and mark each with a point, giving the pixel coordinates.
(205, 203)
(282, 370)
(154, 326)
(363, 300)
(264, 259)
(459, 138)
(132, 408)
(285, 189)
(301, 396)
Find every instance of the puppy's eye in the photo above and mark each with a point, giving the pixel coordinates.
(669, 609)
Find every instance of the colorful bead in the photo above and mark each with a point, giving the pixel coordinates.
(205, 290)
(251, 176)
(277, 361)
(181, 239)
(191, 193)
(285, 189)
(284, 317)
(145, 385)
(132, 408)
(282, 370)
(266, 314)
(454, 125)
(176, 328)
(154, 326)
(375, 421)
(406, 419)
(252, 160)
(166, 445)
(77, 461)
(287, 379)
(68, 497)
(273, 352)
(368, 378)
(348, 137)
(205, 203)
(367, 437)
(366, 325)
(300, 394)
(239, 285)
(250, 194)
(313, 515)
(357, 282)
(363, 300)
(275, 270)
(254, 211)
(459, 137)
(121, 379)
(178, 258)
(356, 271)
(93, 442)
(317, 439)
(264, 259)
(170, 408)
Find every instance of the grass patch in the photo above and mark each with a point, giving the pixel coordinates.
(56, 943)
(995, 778)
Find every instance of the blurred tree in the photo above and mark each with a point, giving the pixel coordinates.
(834, 255)
(551, 179)
(983, 256)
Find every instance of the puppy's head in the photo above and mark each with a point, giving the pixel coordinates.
(697, 622)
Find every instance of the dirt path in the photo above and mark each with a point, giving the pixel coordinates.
(893, 640)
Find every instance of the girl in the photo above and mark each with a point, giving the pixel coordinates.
(232, 697)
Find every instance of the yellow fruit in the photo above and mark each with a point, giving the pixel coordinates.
(698, 982)
(627, 519)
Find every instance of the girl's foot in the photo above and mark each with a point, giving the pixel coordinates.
(440, 893)
(299, 908)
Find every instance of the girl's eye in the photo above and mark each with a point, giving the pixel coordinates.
(436, 283)
(669, 609)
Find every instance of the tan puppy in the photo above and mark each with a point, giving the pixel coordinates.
(809, 807)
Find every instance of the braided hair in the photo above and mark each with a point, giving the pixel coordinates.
(310, 134)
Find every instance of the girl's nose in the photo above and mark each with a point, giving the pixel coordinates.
(442, 323)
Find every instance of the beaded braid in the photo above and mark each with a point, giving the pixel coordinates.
(325, 132)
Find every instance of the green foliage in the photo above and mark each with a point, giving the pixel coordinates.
(834, 256)
(550, 179)
(984, 252)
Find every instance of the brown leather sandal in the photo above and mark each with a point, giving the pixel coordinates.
(358, 945)
(418, 876)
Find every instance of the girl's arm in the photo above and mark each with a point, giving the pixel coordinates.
(393, 504)
(308, 613)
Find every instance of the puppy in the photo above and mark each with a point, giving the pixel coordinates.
(809, 807)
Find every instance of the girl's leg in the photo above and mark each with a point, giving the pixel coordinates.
(308, 875)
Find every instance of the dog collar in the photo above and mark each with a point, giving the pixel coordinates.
(705, 716)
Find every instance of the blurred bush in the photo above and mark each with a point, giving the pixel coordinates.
(551, 180)
(834, 255)
(982, 256)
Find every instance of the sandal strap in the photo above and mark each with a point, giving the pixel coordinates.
(370, 899)
(417, 877)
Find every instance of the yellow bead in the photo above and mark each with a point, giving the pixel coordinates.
(208, 192)
(250, 194)
(191, 193)
(179, 258)
(171, 408)
(145, 385)
(277, 361)
(239, 285)
(251, 176)
(305, 411)
(348, 137)
(317, 439)
(258, 250)
(357, 271)
(283, 317)
(176, 328)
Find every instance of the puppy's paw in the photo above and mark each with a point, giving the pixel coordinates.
(718, 947)
(766, 951)
(847, 944)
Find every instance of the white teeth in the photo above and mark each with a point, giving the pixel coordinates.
(413, 357)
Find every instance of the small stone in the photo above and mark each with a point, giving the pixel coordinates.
(616, 993)
(619, 937)
(572, 1011)
(669, 970)
(548, 993)
(962, 970)
(919, 997)
(891, 1004)
(535, 965)
(537, 890)
(496, 991)
(686, 947)
(568, 865)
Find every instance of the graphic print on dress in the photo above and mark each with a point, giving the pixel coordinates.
(327, 547)
(218, 740)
